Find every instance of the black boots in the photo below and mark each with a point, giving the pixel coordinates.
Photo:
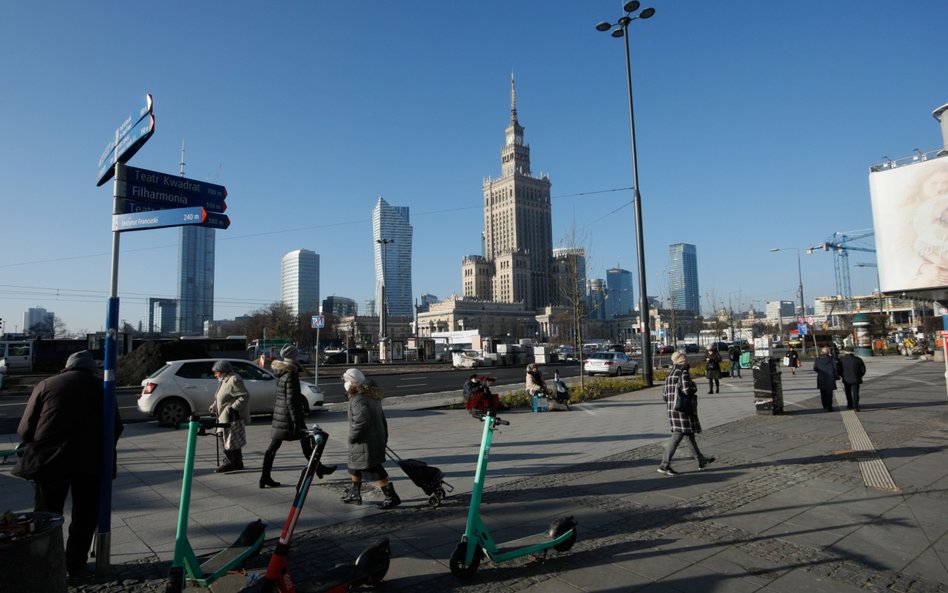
(391, 498)
(265, 480)
(235, 461)
(353, 494)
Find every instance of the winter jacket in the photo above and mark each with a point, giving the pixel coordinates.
(535, 383)
(851, 369)
(368, 430)
(65, 411)
(826, 372)
(231, 395)
(289, 407)
(680, 422)
(712, 365)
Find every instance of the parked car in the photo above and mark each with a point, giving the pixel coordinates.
(692, 348)
(181, 387)
(721, 346)
(610, 363)
(350, 356)
(666, 349)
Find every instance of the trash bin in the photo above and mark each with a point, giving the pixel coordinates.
(32, 556)
(768, 389)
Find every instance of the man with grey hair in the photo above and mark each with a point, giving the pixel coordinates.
(62, 427)
(827, 372)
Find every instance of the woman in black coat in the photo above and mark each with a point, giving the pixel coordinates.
(289, 412)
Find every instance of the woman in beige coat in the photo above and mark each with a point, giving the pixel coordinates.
(232, 406)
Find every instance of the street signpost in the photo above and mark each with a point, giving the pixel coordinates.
(215, 220)
(319, 321)
(162, 189)
(131, 135)
(158, 219)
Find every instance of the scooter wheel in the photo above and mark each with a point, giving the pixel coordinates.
(434, 500)
(561, 528)
(458, 568)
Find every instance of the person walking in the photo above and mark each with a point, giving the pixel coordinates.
(231, 406)
(62, 428)
(712, 369)
(368, 437)
(851, 369)
(793, 360)
(827, 372)
(289, 412)
(683, 424)
(734, 354)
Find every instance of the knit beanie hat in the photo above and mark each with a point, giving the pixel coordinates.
(679, 358)
(353, 377)
(290, 352)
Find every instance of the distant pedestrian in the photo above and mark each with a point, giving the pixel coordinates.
(793, 360)
(712, 369)
(232, 407)
(534, 381)
(368, 437)
(289, 412)
(827, 372)
(851, 369)
(734, 354)
(62, 429)
(683, 424)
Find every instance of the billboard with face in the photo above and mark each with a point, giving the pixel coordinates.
(910, 214)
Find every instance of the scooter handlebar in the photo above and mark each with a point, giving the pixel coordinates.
(499, 420)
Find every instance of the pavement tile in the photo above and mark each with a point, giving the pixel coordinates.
(597, 576)
(800, 579)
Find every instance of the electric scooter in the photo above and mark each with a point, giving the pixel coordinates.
(477, 542)
(368, 569)
(247, 545)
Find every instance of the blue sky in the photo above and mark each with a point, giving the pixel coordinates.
(756, 123)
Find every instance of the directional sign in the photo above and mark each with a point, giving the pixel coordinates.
(172, 191)
(157, 219)
(319, 321)
(126, 126)
(215, 220)
(126, 147)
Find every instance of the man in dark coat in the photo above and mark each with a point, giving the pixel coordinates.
(851, 369)
(827, 372)
(734, 353)
(682, 424)
(368, 436)
(62, 426)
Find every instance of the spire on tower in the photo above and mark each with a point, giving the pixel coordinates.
(513, 98)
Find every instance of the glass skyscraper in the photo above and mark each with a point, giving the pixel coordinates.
(619, 289)
(392, 235)
(299, 281)
(683, 278)
(195, 279)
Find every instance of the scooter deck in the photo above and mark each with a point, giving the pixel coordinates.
(530, 540)
(225, 558)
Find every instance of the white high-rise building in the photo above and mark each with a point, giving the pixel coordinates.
(299, 281)
(393, 236)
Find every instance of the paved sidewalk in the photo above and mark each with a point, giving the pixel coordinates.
(786, 506)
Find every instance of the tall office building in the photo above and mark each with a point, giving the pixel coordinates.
(517, 240)
(195, 275)
(340, 306)
(597, 298)
(619, 289)
(162, 315)
(393, 236)
(39, 322)
(299, 281)
(683, 278)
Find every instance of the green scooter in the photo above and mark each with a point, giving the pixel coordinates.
(477, 542)
(247, 545)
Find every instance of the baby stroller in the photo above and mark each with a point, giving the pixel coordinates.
(560, 394)
(427, 477)
(481, 398)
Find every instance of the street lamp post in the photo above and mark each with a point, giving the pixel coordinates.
(621, 29)
(383, 330)
(800, 277)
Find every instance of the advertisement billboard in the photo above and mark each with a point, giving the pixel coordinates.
(910, 215)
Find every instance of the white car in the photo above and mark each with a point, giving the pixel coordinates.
(181, 387)
(610, 363)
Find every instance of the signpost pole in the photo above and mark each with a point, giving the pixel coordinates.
(103, 538)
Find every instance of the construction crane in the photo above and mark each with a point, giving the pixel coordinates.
(839, 245)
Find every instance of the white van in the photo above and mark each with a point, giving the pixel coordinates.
(17, 353)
